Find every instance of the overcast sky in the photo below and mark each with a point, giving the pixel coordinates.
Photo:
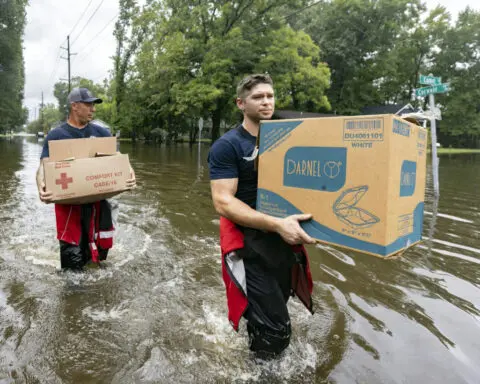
(90, 24)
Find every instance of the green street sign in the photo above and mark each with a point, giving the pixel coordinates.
(441, 88)
(430, 80)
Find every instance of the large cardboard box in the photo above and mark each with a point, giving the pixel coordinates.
(81, 171)
(362, 178)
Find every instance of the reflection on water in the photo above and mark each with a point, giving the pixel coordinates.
(157, 312)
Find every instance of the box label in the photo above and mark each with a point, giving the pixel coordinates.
(273, 134)
(421, 142)
(408, 176)
(317, 168)
(401, 128)
(361, 133)
(405, 224)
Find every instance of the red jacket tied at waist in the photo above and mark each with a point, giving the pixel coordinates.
(97, 221)
(231, 239)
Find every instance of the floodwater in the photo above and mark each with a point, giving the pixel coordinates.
(157, 312)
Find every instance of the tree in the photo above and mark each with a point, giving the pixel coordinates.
(104, 111)
(49, 118)
(458, 62)
(128, 35)
(301, 80)
(356, 38)
(12, 77)
(60, 91)
(194, 53)
(412, 53)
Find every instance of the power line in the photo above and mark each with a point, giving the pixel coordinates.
(111, 20)
(80, 18)
(303, 9)
(69, 55)
(88, 21)
(94, 37)
(262, 29)
(55, 67)
(57, 62)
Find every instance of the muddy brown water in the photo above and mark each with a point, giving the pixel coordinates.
(157, 312)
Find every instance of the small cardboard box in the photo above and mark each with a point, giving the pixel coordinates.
(81, 171)
(362, 178)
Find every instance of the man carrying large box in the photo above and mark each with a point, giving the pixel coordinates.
(85, 231)
(263, 260)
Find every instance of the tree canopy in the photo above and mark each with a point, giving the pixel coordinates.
(12, 72)
(180, 60)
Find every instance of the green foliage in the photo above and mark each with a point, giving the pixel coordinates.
(178, 60)
(301, 80)
(458, 60)
(192, 54)
(12, 77)
(357, 38)
(49, 117)
(376, 50)
(104, 111)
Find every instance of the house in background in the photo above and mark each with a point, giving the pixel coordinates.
(287, 114)
(406, 111)
(395, 109)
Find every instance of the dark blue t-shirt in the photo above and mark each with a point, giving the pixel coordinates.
(66, 131)
(227, 160)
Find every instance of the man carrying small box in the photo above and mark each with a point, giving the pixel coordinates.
(85, 231)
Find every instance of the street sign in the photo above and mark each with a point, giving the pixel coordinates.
(434, 113)
(430, 80)
(441, 88)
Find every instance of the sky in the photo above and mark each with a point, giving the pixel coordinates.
(90, 25)
(49, 22)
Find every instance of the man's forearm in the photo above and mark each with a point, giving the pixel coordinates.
(40, 176)
(242, 214)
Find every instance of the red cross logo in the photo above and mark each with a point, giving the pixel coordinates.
(64, 181)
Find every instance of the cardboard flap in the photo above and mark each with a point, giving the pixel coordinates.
(81, 148)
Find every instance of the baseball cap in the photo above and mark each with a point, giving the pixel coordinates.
(82, 95)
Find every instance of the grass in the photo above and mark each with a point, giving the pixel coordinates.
(179, 140)
(453, 151)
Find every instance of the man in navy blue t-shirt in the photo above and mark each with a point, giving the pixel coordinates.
(78, 125)
(234, 190)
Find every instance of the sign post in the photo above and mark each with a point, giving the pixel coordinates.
(435, 85)
(200, 127)
(433, 127)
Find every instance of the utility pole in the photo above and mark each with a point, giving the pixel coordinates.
(68, 60)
